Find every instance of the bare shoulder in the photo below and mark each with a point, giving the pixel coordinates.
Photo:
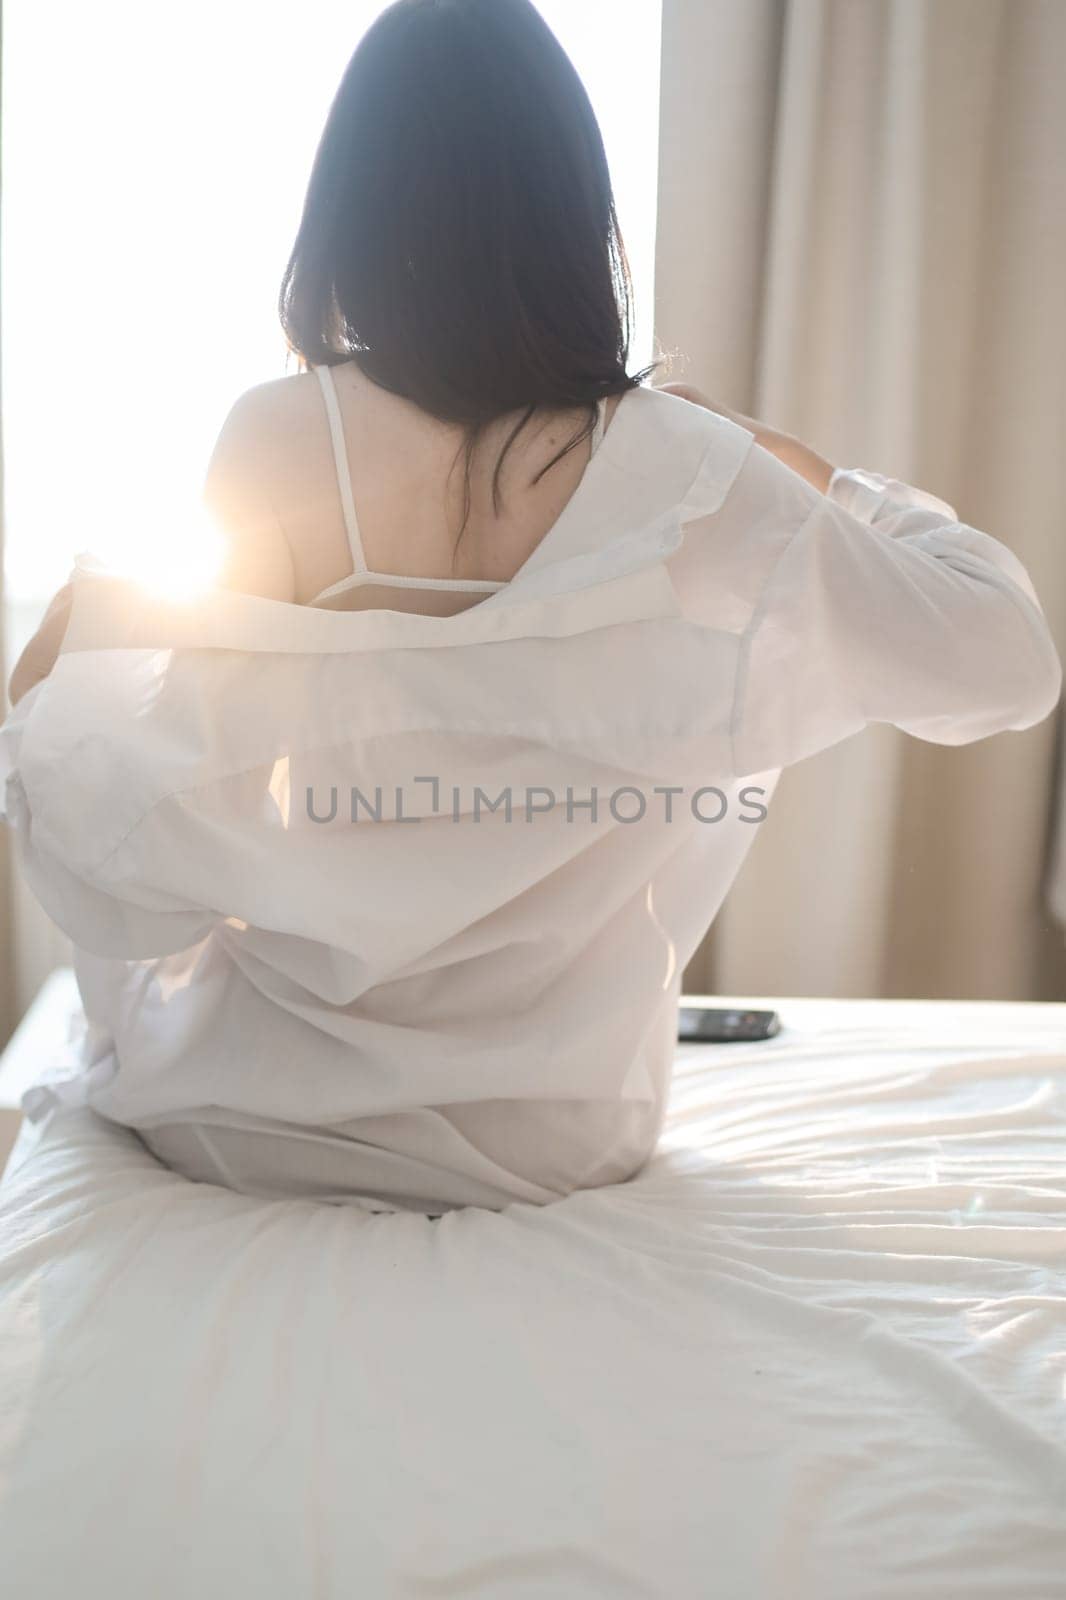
(250, 452)
(266, 408)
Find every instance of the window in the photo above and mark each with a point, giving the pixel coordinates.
(154, 163)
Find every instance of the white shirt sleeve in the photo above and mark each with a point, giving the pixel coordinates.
(876, 604)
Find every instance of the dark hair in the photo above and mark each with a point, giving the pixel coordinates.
(459, 239)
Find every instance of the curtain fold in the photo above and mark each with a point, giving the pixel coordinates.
(7, 976)
(862, 240)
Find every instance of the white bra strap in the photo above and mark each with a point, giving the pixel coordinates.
(387, 580)
(340, 457)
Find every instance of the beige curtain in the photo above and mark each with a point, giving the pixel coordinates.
(7, 977)
(862, 239)
(7, 941)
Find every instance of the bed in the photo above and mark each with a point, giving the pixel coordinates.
(817, 1348)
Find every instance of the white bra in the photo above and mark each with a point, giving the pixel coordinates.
(361, 574)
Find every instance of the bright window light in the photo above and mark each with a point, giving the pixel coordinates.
(154, 166)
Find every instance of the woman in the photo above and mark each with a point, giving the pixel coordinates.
(480, 579)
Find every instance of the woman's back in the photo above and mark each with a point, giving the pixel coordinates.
(278, 476)
(394, 908)
(382, 887)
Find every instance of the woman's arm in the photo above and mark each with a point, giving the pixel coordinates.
(874, 603)
(793, 452)
(39, 656)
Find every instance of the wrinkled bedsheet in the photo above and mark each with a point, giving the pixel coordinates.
(816, 1349)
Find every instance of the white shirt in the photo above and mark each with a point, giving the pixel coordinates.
(464, 1008)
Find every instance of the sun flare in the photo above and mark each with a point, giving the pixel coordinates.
(182, 560)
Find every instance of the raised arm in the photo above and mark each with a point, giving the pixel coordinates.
(877, 605)
(869, 602)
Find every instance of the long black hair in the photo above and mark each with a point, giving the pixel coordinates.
(459, 240)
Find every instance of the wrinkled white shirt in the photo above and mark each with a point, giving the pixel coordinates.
(316, 953)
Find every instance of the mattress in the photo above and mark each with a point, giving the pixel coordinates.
(816, 1348)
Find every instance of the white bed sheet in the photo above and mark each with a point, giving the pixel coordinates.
(817, 1348)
